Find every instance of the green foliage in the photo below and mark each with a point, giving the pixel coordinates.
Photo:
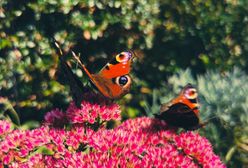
(7, 111)
(225, 96)
(171, 34)
(167, 35)
(224, 103)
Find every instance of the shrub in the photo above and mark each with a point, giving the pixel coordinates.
(171, 34)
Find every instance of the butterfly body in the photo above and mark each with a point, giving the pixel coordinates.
(183, 111)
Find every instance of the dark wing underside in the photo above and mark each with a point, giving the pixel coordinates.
(180, 115)
(67, 77)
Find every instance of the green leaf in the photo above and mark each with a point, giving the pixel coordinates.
(230, 153)
(44, 150)
(9, 111)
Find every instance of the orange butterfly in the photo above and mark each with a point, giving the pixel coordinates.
(183, 111)
(112, 81)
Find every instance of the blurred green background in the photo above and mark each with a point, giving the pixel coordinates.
(202, 42)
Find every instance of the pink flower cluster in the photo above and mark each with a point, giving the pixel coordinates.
(89, 112)
(140, 142)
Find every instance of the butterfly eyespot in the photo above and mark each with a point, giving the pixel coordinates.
(123, 80)
(123, 57)
(191, 94)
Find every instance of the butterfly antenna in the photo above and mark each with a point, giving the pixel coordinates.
(80, 63)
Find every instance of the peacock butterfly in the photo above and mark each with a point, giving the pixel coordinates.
(112, 81)
(182, 111)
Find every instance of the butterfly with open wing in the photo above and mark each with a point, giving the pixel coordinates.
(182, 111)
(112, 81)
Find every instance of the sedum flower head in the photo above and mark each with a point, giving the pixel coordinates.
(92, 112)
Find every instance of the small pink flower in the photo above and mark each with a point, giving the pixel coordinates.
(23, 152)
(6, 159)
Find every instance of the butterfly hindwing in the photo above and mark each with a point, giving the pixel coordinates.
(112, 88)
(180, 115)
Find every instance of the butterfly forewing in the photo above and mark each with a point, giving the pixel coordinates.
(118, 66)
